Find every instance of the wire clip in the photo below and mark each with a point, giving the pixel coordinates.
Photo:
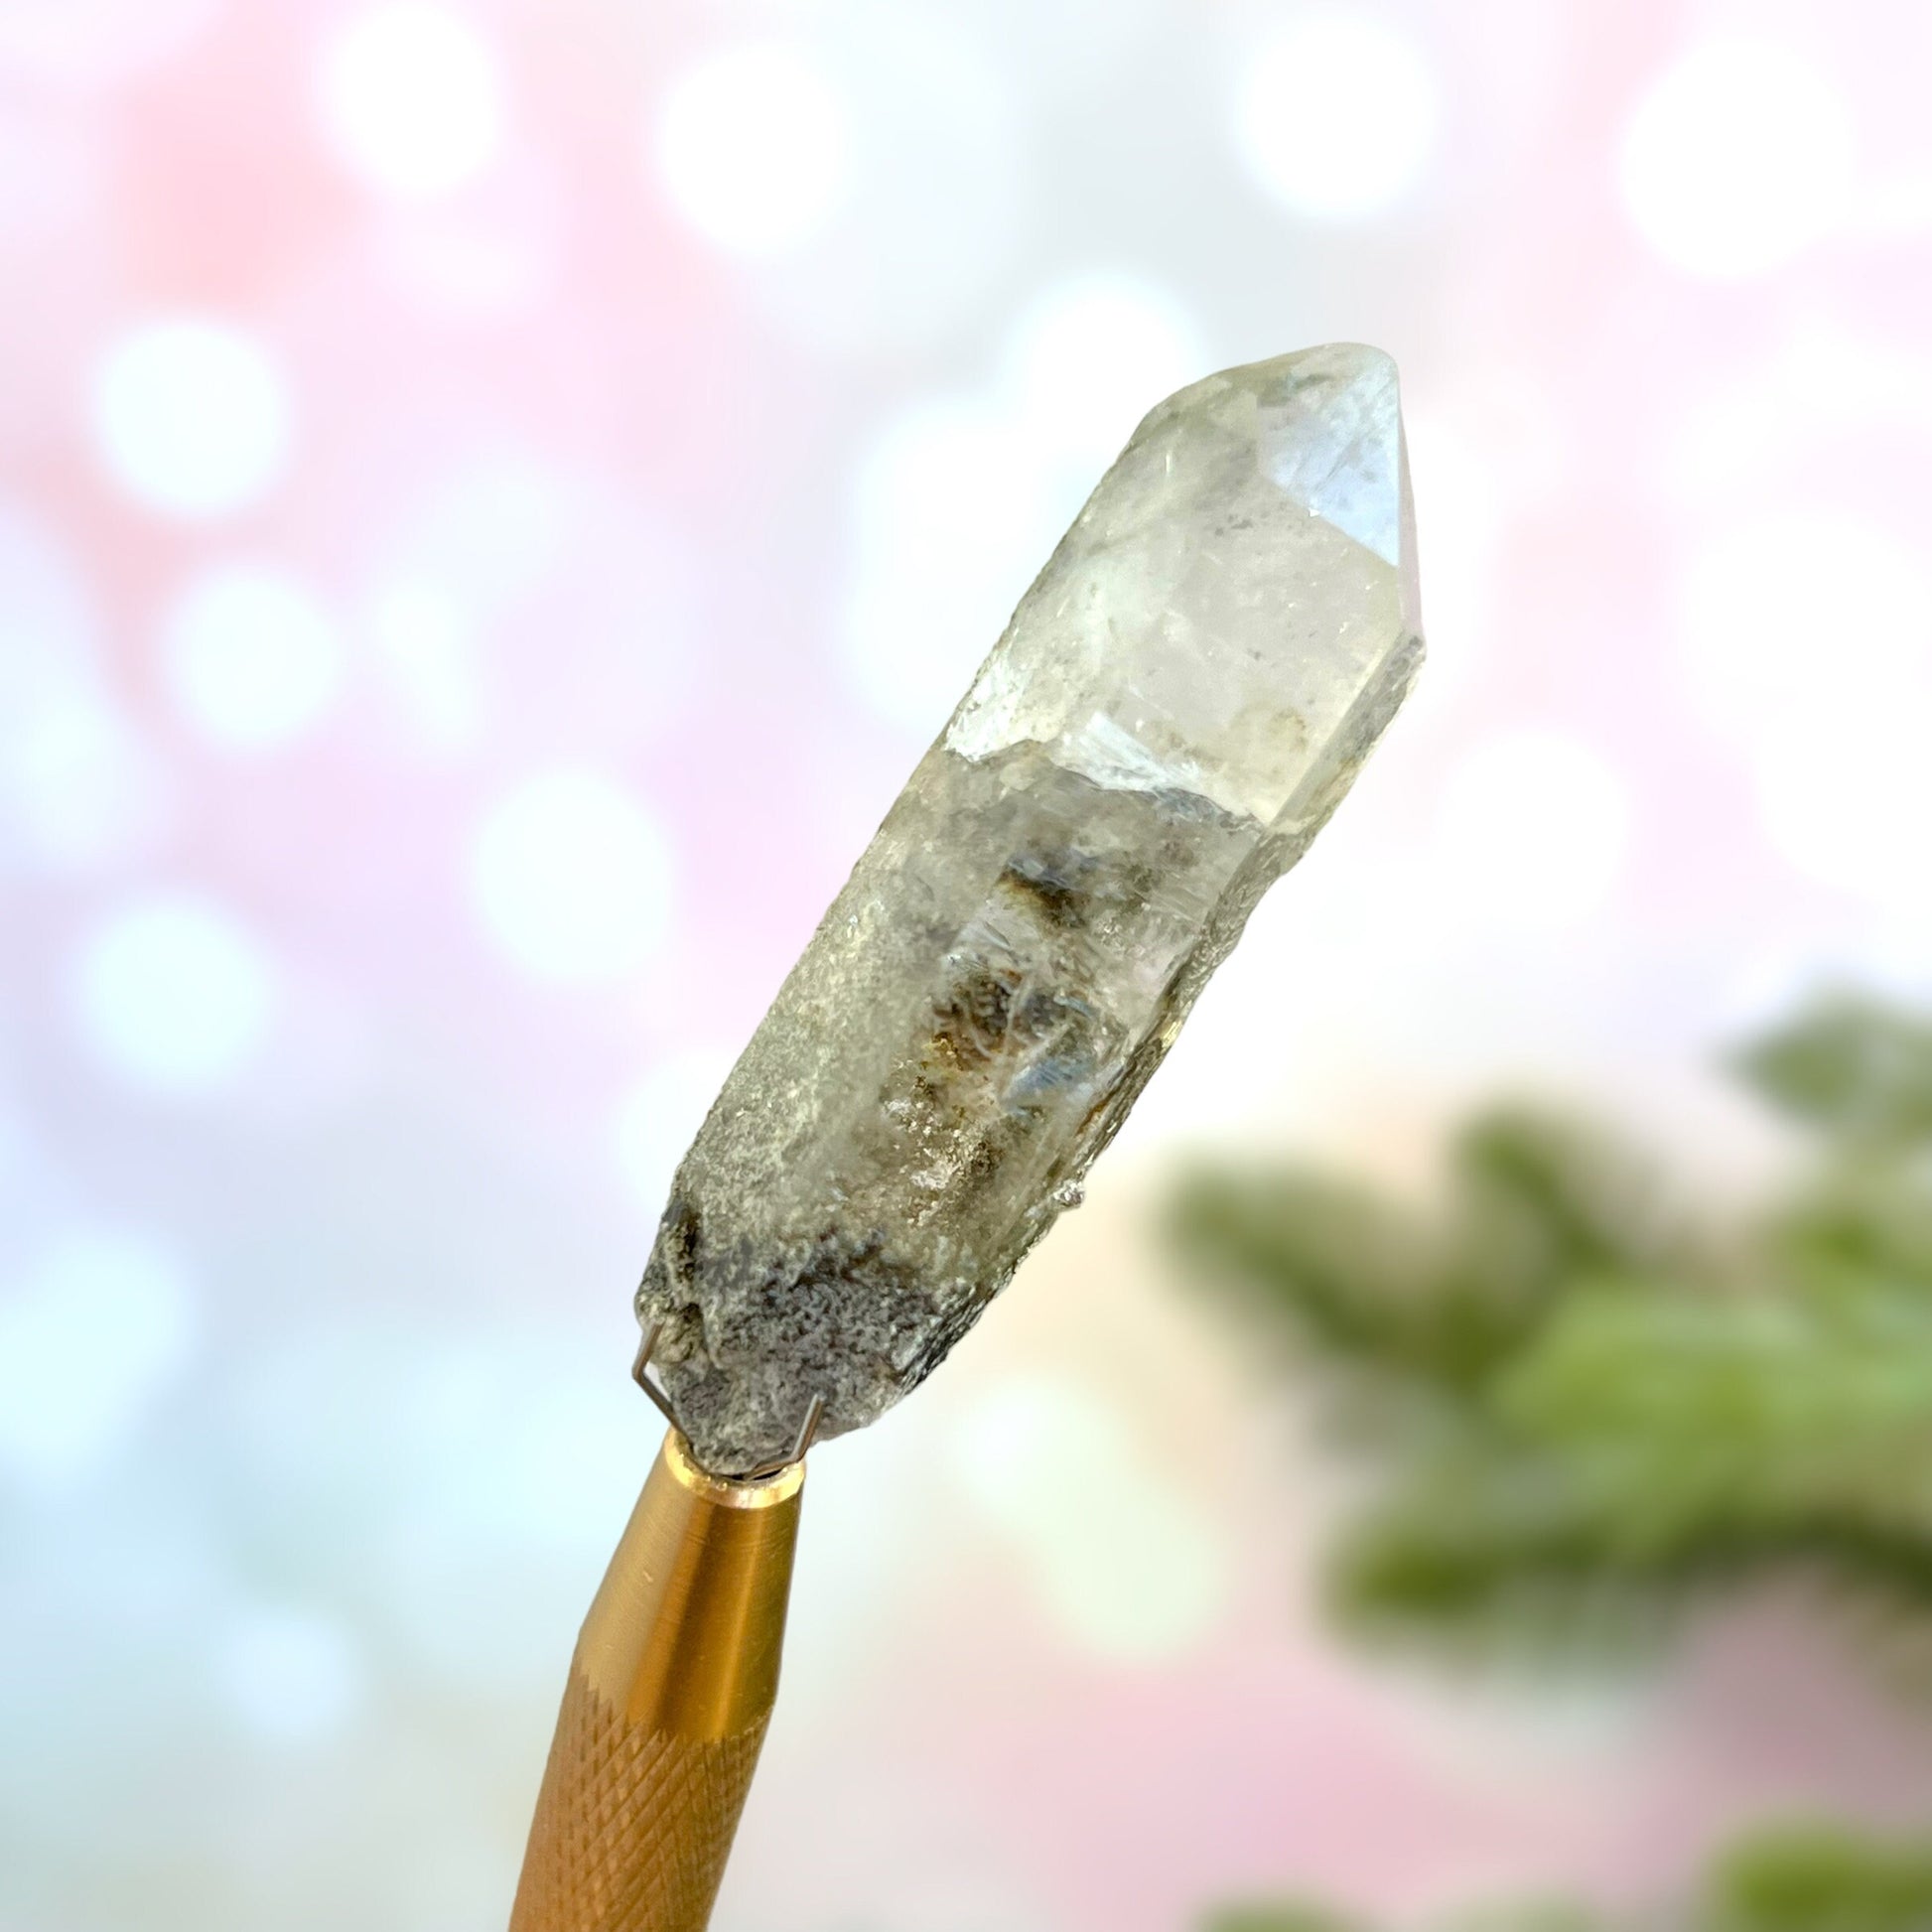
(807, 1430)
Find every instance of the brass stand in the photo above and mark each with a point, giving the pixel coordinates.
(670, 1691)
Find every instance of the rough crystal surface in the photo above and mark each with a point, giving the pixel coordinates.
(1180, 701)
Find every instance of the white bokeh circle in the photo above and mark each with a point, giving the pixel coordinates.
(1807, 644)
(958, 501)
(752, 147)
(412, 98)
(572, 877)
(80, 784)
(1123, 1560)
(1801, 621)
(1738, 156)
(191, 416)
(1090, 354)
(955, 508)
(249, 655)
(173, 995)
(1336, 115)
(91, 1329)
(1532, 833)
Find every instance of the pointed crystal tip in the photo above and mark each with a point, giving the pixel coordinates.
(1331, 441)
(1230, 588)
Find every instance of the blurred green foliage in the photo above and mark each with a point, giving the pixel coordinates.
(1820, 1878)
(1802, 1879)
(1288, 1916)
(1587, 1406)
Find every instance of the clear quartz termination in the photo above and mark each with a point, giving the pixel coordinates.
(1179, 703)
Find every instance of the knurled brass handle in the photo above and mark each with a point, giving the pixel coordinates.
(669, 1695)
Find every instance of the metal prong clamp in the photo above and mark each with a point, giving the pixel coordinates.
(807, 1430)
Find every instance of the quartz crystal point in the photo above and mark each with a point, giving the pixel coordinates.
(1180, 700)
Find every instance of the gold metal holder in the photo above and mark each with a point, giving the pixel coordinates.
(670, 1690)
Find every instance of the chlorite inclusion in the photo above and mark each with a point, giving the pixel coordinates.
(1179, 703)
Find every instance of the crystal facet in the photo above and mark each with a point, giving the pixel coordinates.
(1180, 700)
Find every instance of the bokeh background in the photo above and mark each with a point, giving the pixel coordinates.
(497, 495)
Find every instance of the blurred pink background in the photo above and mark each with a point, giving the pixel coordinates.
(496, 498)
